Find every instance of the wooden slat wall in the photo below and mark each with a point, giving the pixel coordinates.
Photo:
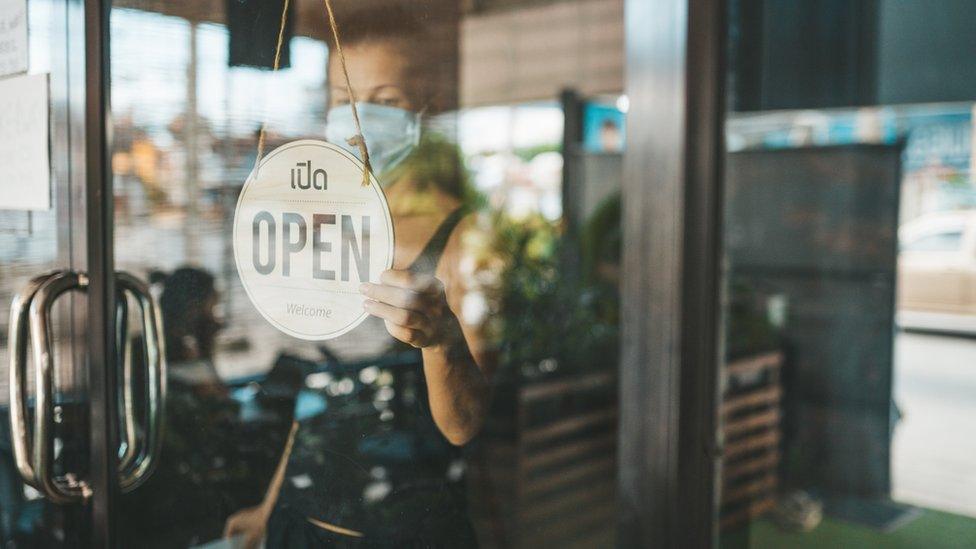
(310, 19)
(751, 427)
(556, 482)
(535, 52)
(524, 53)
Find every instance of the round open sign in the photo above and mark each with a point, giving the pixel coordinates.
(306, 234)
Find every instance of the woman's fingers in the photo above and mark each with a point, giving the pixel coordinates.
(392, 295)
(410, 336)
(403, 317)
(411, 305)
(424, 284)
(405, 289)
(408, 326)
(249, 524)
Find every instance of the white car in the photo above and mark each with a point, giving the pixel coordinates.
(937, 264)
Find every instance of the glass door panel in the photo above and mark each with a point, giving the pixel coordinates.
(476, 403)
(849, 197)
(33, 245)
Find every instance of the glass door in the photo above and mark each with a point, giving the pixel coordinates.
(427, 355)
(849, 392)
(44, 433)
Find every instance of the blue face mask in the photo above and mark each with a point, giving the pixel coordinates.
(390, 133)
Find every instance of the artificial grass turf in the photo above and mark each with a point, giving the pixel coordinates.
(931, 530)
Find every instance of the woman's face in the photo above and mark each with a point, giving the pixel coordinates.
(380, 73)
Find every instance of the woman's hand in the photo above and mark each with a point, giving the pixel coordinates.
(249, 524)
(414, 308)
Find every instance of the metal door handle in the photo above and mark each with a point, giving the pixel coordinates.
(29, 322)
(128, 447)
(17, 340)
(65, 489)
(138, 464)
(29, 311)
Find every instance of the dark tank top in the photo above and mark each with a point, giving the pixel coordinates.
(373, 462)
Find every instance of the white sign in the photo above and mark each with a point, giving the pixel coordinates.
(13, 36)
(306, 234)
(25, 161)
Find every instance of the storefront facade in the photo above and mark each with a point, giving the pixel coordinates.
(626, 283)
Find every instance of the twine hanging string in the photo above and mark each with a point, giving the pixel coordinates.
(357, 140)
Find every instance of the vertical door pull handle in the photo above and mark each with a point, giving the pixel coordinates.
(140, 468)
(17, 340)
(67, 488)
(129, 445)
(34, 453)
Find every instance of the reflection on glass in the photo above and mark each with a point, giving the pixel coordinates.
(477, 404)
(846, 403)
(33, 243)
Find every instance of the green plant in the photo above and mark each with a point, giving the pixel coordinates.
(749, 330)
(549, 318)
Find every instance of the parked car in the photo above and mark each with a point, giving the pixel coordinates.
(937, 264)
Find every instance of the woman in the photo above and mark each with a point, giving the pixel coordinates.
(391, 477)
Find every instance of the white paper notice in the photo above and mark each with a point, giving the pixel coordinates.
(13, 36)
(25, 173)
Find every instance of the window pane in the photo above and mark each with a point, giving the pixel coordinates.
(477, 410)
(846, 402)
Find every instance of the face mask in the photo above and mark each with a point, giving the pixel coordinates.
(390, 133)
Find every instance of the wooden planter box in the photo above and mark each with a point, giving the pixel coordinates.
(751, 414)
(545, 470)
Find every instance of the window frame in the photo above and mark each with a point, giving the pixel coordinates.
(671, 318)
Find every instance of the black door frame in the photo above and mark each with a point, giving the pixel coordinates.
(671, 291)
(102, 379)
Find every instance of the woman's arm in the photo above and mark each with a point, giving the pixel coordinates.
(423, 311)
(457, 385)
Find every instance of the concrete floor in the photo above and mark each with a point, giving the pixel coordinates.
(934, 448)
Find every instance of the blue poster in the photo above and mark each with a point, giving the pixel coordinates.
(603, 128)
